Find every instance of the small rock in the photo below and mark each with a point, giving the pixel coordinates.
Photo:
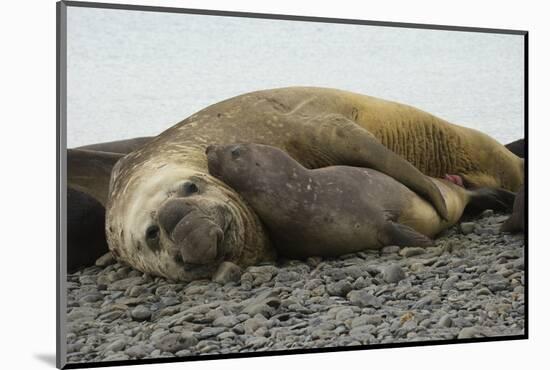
(344, 314)
(105, 260)
(227, 272)
(470, 332)
(139, 350)
(391, 249)
(136, 291)
(256, 342)
(340, 288)
(411, 251)
(141, 313)
(467, 227)
(116, 346)
(125, 283)
(495, 282)
(393, 273)
(362, 298)
(176, 342)
(445, 321)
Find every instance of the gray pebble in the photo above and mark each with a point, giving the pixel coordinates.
(340, 288)
(139, 350)
(393, 273)
(141, 313)
(176, 342)
(363, 298)
(467, 227)
(411, 251)
(116, 346)
(445, 321)
(470, 332)
(105, 260)
(391, 249)
(227, 272)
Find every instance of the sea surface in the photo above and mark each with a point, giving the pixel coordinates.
(133, 73)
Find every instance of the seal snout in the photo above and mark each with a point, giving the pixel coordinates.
(196, 235)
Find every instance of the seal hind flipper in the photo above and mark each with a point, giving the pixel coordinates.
(403, 235)
(89, 171)
(489, 198)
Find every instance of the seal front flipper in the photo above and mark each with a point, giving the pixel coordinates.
(402, 235)
(89, 171)
(342, 140)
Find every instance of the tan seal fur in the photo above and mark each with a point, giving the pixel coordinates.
(318, 127)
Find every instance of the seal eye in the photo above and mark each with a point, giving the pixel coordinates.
(235, 152)
(152, 236)
(189, 188)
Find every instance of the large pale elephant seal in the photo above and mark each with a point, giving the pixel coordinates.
(338, 209)
(209, 222)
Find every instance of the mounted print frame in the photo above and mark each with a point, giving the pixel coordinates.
(241, 184)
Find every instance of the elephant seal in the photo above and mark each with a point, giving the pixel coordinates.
(164, 209)
(85, 230)
(517, 147)
(516, 222)
(339, 209)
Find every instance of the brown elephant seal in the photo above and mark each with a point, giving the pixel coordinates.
(85, 230)
(516, 222)
(339, 209)
(517, 147)
(164, 208)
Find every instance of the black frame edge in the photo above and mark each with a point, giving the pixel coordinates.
(61, 105)
(286, 17)
(526, 181)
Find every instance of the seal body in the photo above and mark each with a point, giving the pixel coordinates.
(516, 222)
(164, 208)
(334, 210)
(85, 230)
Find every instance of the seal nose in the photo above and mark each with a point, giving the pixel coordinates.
(171, 213)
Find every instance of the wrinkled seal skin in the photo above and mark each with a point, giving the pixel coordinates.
(317, 127)
(338, 209)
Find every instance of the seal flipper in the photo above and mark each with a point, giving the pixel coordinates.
(353, 145)
(403, 235)
(119, 146)
(489, 198)
(89, 171)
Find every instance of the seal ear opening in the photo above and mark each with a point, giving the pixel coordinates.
(404, 236)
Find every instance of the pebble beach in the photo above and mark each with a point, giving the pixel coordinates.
(469, 285)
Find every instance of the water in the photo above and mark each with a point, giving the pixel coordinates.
(136, 73)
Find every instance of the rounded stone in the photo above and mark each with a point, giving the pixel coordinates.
(393, 273)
